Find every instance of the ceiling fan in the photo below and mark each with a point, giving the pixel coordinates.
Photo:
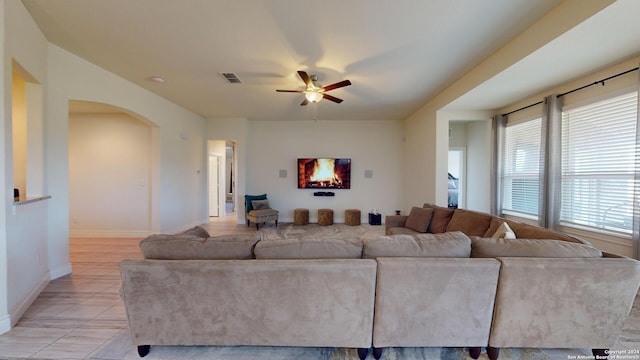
(314, 93)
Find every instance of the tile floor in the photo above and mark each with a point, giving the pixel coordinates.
(78, 313)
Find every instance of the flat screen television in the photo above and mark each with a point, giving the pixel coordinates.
(324, 173)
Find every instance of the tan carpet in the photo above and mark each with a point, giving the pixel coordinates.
(120, 348)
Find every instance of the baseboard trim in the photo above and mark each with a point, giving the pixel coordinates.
(19, 310)
(109, 233)
(60, 272)
(5, 324)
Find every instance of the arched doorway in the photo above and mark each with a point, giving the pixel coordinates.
(111, 162)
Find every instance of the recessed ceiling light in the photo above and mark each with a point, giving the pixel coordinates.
(157, 79)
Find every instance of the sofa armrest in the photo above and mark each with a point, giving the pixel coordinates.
(423, 302)
(391, 221)
(570, 302)
(317, 303)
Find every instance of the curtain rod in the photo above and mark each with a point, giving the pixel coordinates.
(522, 108)
(598, 82)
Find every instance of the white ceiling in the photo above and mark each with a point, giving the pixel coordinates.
(397, 54)
(609, 37)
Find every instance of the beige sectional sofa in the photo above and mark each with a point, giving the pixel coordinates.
(455, 286)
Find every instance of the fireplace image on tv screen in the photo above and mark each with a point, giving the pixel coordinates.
(327, 173)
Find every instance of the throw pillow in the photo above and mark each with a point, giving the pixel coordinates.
(470, 222)
(440, 220)
(504, 232)
(249, 198)
(260, 204)
(419, 219)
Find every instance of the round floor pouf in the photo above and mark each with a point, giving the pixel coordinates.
(352, 217)
(325, 217)
(300, 216)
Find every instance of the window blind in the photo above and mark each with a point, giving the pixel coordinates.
(598, 164)
(521, 167)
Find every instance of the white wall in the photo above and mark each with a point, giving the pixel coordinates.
(371, 145)
(109, 175)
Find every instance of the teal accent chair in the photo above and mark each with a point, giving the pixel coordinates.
(258, 211)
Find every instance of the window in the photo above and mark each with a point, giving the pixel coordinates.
(521, 167)
(598, 164)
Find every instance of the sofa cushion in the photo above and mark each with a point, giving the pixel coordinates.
(172, 247)
(440, 219)
(527, 231)
(504, 232)
(544, 248)
(198, 231)
(401, 231)
(469, 222)
(419, 219)
(451, 244)
(308, 249)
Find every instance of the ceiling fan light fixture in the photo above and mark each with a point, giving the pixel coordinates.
(313, 96)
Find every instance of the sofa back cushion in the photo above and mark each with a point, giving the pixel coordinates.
(451, 244)
(198, 231)
(543, 248)
(174, 247)
(308, 249)
(419, 219)
(527, 231)
(472, 223)
(440, 219)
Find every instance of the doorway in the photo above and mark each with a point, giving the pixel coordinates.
(221, 178)
(230, 173)
(214, 185)
(456, 186)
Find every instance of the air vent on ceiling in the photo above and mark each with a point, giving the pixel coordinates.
(231, 77)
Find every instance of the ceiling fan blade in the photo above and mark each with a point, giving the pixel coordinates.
(332, 98)
(305, 102)
(336, 85)
(295, 91)
(305, 77)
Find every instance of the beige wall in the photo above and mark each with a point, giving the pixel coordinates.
(427, 129)
(35, 254)
(24, 267)
(109, 175)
